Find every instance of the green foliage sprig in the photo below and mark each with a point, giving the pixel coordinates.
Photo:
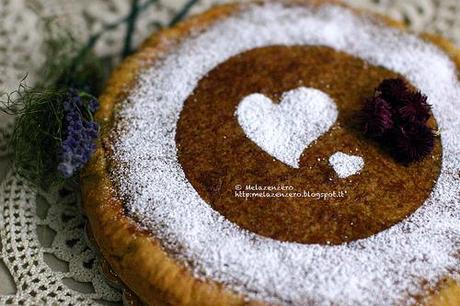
(54, 127)
(37, 132)
(40, 126)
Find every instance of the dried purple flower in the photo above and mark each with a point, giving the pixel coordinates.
(397, 117)
(80, 133)
(377, 117)
(394, 91)
(413, 142)
(93, 105)
(415, 109)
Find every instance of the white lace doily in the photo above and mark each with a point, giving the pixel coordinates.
(42, 237)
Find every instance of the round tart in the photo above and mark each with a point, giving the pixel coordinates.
(232, 167)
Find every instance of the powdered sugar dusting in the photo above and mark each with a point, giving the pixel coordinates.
(384, 269)
(286, 129)
(346, 165)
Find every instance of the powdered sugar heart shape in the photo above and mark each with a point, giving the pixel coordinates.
(346, 165)
(286, 129)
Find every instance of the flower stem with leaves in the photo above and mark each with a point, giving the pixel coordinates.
(55, 132)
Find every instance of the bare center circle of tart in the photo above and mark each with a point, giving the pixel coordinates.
(311, 203)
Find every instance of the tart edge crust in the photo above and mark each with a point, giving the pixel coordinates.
(135, 255)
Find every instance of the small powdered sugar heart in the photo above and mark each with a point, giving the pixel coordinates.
(346, 165)
(284, 130)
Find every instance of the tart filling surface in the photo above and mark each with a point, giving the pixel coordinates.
(226, 166)
(172, 165)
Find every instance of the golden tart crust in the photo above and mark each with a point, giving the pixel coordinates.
(134, 254)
